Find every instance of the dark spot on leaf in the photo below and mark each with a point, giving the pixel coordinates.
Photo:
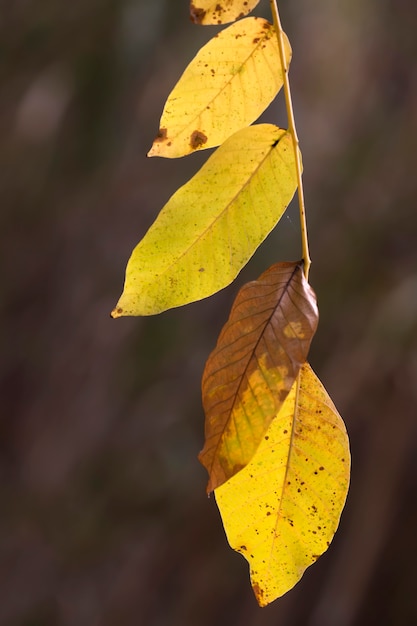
(259, 593)
(202, 269)
(243, 548)
(255, 40)
(236, 468)
(282, 395)
(218, 8)
(162, 134)
(276, 142)
(266, 437)
(285, 431)
(197, 15)
(268, 513)
(197, 139)
(321, 468)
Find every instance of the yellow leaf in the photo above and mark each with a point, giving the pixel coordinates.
(227, 86)
(212, 225)
(282, 510)
(258, 355)
(220, 11)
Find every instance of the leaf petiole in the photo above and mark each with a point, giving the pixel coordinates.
(293, 131)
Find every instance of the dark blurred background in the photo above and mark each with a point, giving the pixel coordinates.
(104, 519)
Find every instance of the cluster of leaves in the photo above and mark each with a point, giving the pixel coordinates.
(276, 449)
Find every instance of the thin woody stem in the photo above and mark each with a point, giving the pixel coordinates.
(293, 132)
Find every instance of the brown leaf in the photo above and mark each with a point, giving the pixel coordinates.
(249, 374)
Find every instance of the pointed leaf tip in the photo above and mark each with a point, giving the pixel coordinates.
(117, 312)
(250, 372)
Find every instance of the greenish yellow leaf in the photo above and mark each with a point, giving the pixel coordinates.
(282, 510)
(250, 372)
(220, 11)
(227, 86)
(212, 225)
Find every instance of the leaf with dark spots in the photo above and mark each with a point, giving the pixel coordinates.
(253, 367)
(283, 511)
(226, 87)
(208, 12)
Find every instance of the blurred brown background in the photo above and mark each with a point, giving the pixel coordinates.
(104, 519)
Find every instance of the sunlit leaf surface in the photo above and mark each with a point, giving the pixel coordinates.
(282, 510)
(220, 11)
(212, 225)
(252, 369)
(226, 87)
